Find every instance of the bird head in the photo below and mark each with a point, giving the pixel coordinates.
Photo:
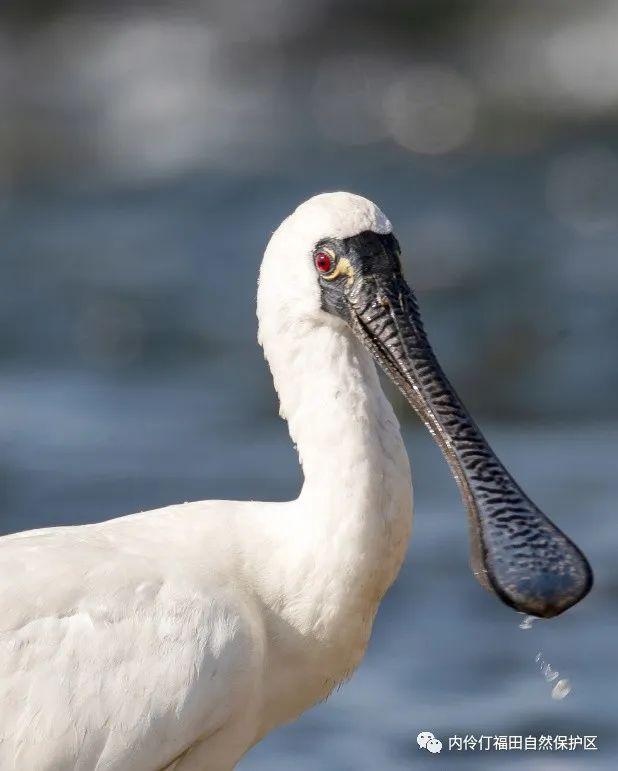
(336, 262)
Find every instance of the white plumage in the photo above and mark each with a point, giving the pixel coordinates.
(177, 638)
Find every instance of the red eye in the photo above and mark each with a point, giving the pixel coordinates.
(323, 262)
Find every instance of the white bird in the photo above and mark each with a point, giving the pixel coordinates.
(178, 638)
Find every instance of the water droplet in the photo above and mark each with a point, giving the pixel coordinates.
(527, 622)
(550, 674)
(561, 689)
(538, 657)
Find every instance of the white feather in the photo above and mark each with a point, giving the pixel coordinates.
(177, 638)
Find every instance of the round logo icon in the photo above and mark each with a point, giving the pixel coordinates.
(427, 741)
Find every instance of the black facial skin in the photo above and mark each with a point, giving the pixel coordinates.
(516, 551)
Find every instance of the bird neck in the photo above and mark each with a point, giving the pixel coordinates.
(353, 515)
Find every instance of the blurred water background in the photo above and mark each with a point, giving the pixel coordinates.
(147, 151)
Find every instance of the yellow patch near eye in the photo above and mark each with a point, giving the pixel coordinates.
(343, 269)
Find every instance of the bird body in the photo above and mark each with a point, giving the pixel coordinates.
(177, 638)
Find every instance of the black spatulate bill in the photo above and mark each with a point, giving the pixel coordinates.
(516, 550)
